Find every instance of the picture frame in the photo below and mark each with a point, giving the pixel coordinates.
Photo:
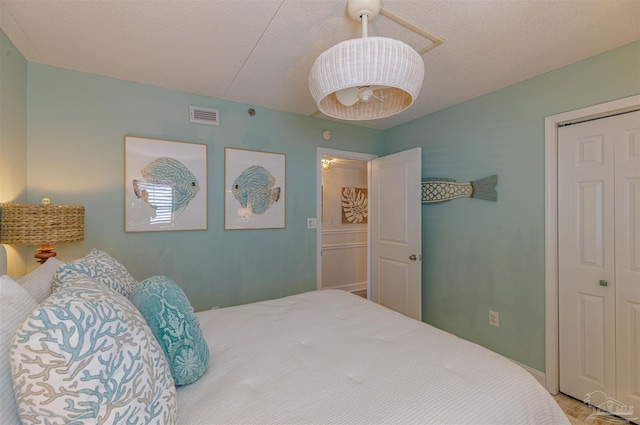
(254, 189)
(354, 205)
(165, 185)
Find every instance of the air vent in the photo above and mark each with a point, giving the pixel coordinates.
(198, 115)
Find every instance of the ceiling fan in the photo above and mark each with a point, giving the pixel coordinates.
(352, 95)
(369, 77)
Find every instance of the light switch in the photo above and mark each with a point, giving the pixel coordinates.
(311, 223)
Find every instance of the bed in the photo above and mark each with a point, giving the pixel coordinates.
(332, 357)
(321, 357)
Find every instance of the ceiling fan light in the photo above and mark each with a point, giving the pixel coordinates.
(367, 61)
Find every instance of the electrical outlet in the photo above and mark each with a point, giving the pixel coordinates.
(494, 318)
(311, 223)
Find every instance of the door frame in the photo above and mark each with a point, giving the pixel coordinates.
(551, 124)
(347, 155)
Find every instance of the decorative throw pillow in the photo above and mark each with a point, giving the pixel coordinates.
(38, 282)
(15, 306)
(171, 318)
(86, 356)
(99, 266)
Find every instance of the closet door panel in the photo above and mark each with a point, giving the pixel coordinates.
(627, 251)
(586, 258)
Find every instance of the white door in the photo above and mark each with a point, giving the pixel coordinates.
(599, 258)
(396, 235)
(627, 284)
(586, 257)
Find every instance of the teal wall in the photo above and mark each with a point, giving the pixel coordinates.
(76, 128)
(13, 122)
(479, 255)
(13, 134)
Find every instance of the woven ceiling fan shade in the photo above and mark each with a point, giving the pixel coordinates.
(367, 61)
(32, 224)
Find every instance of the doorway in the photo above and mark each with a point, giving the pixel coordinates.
(344, 222)
(394, 235)
(343, 242)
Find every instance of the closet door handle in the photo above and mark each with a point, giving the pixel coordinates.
(413, 257)
(603, 283)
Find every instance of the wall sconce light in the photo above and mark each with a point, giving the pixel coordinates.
(325, 164)
(32, 224)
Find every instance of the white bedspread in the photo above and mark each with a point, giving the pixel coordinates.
(330, 357)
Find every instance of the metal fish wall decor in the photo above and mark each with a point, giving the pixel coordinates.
(436, 189)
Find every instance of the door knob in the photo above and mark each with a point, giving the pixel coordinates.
(413, 257)
(603, 283)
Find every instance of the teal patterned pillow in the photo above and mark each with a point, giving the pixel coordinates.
(171, 318)
(99, 266)
(86, 356)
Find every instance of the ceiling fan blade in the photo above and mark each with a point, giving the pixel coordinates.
(348, 96)
(366, 94)
(372, 88)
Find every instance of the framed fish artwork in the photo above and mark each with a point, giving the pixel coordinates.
(165, 185)
(254, 189)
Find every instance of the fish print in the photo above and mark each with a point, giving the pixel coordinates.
(435, 189)
(168, 184)
(254, 189)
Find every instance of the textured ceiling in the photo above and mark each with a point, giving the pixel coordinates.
(259, 52)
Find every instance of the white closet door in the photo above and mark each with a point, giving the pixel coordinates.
(586, 258)
(627, 205)
(599, 261)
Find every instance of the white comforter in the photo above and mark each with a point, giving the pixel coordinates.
(330, 357)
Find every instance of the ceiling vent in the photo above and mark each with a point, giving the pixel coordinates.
(199, 115)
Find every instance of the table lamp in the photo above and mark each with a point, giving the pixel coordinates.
(32, 224)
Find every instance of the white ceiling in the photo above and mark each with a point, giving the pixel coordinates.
(259, 52)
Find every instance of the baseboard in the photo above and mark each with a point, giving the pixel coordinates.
(540, 376)
(350, 287)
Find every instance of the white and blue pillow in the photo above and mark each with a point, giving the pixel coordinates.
(171, 318)
(39, 281)
(15, 305)
(99, 266)
(85, 356)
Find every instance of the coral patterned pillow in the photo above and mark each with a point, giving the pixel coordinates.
(99, 266)
(86, 356)
(171, 318)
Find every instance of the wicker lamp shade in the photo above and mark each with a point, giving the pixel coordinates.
(32, 224)
(392, 69)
